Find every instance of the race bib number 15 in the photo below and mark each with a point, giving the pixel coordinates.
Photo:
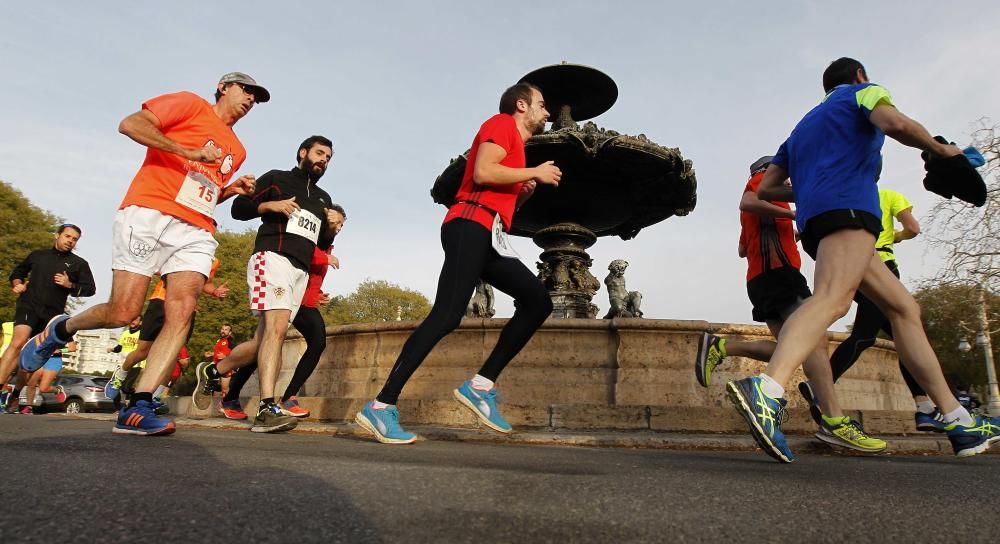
(198, 193)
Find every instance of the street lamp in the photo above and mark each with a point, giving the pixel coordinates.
(983, 341)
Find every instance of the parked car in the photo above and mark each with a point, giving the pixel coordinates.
(83, 394)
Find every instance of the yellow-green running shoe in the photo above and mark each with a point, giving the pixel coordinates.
(847, 433)
(711, 353)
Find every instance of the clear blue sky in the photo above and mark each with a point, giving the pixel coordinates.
(401, 87)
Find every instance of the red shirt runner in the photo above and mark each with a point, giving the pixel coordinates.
(769, 241)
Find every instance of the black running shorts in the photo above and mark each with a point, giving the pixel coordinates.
(829, 222)
(774, 291)
(152, 322)
(26, 315)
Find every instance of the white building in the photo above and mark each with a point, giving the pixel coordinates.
(91, 355)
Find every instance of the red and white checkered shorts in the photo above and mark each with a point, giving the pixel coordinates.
(275, 284)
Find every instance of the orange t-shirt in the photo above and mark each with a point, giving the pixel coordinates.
(173, 185)
(160, 292)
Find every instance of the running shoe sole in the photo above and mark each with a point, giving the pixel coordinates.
(976, 450)
(169, 429)
(482, 419)
(274, 428)
(814, 412)
(699, 363)
(198, 397)
(743, 407)
(361, 420)
(835, 440)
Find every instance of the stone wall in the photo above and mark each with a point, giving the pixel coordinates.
(580, 374)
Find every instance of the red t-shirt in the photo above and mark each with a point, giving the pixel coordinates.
(222, 348)
(500, 129)
(317, 272)
(769, 241)
(176, 373)
(173, 185)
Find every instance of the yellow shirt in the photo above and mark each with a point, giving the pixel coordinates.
(128, 341)
(892, 203)
(8, 335)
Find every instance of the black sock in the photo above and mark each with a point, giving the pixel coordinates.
(61, 331)
(148, 397)
(213, 371)
(266, 402)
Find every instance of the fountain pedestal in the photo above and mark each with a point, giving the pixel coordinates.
(565, 269)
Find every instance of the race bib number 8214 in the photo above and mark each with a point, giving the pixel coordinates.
(305, 224)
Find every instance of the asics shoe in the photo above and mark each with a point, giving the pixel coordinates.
(114, 386)
(847, 433)
(711, 353)
(932, 422)
(270, 420)
(484, 405)
(292, 408)
(40, 347)
(231, 409)
(806, 390)
(763, 414)
(141, 420)
(384, 424)
(968, 441)
(207, 385)
(60, 393)
(160, 408)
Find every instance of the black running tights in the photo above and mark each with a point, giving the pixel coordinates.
(309, 322)
(469, 256)
(867, 323)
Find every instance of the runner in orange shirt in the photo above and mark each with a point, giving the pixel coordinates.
(164, 225)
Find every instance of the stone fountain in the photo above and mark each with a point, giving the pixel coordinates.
(612, 184)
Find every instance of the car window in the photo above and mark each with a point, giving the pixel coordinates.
(70, 380)
(100, 382)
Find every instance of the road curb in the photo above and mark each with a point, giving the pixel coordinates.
(800, 444)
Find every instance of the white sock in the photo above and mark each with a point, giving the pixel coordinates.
(480, 383)
(961, 416)
(158, 394)
(926, 407)
(379, 405)
(770, 387)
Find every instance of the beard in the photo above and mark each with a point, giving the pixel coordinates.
(537, 126)
(310, 168)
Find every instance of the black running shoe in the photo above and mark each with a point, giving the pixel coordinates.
(806, 390)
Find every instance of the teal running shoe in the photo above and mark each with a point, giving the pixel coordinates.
(764, 416)
(384, 424)
(969, 441)
(484, 405)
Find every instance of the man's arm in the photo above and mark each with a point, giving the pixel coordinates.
(144, 128)
(218, 292)
(84, 286)
(20, 273)
(772, 186)
(911, 228)
(489, 171)
(751, 203)
(908, 132)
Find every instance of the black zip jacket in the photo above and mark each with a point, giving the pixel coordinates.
(276, 233)
(43, 293)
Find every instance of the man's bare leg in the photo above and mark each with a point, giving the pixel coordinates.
(140, 352)
(842, 259)
(269, 354)
(243, 354)
(178, 306)
(128, 292)
(8, 362)
(758, 350)
(902, 310)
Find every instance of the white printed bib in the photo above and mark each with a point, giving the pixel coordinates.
(500, 241)
(198, 193)
(305, 224)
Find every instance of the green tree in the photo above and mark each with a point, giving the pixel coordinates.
(233, 252)
(377, 300)
(945, 308)
(24, 228)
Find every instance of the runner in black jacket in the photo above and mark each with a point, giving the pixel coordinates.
(296, 218)
(55, 274)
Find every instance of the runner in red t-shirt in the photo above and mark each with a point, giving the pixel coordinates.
(776, 288)
(475, 246)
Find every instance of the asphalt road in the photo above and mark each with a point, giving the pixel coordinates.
(72, 480)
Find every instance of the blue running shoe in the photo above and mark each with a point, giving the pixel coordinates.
(484, 405)
(40, 348)
(932, 422)
(141, 420)
(763, 414)
(114, 386)
(968, 441)
(384, 424)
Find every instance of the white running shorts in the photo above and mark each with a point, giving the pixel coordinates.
(275, 284)
(146, 241)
